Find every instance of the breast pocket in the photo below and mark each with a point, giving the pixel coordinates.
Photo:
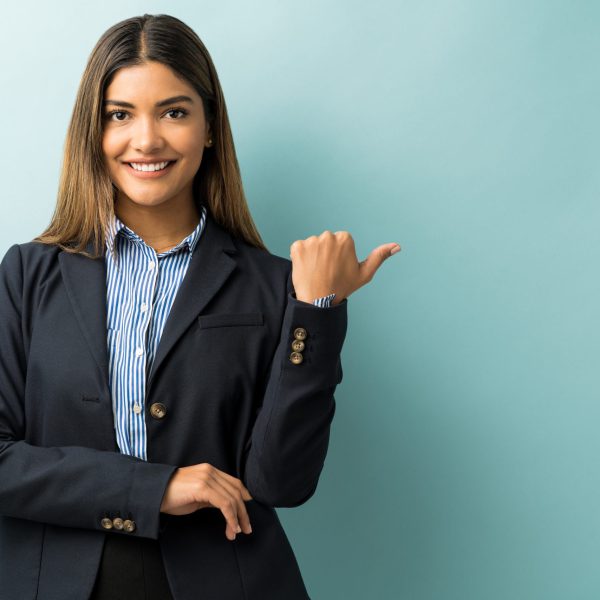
(230, 319)
(230, 346)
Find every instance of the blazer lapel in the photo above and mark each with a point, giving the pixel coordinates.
(85, 280)
(210, 267)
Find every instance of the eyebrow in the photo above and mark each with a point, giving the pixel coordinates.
(160, 104)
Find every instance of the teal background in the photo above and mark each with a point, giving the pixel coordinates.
(464, 457)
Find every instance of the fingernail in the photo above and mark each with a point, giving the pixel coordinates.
(238, 529)
(250, 528)
(394, 250)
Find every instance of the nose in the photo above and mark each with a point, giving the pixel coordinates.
(146, 135)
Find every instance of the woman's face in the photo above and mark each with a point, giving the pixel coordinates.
(148, 124)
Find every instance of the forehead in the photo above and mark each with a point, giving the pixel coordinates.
(147, 81)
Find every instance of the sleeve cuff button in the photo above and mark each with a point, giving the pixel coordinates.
(296, 358)
(129, 526)
(300, 333)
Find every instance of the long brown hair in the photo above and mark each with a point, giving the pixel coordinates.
(86, 194)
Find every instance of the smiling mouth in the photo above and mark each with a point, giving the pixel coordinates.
(150, 167)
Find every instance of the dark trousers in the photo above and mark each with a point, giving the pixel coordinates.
(131, 569)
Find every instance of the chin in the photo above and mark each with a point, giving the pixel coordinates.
(143, 199)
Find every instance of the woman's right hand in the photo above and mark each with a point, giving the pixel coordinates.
(203, 486)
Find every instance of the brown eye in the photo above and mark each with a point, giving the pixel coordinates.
(178, 110)
(114, 112)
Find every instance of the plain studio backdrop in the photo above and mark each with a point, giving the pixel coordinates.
(464, 461)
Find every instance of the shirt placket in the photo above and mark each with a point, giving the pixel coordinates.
(142, 305)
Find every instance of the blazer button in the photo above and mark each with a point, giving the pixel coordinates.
(297, 345)
(296, 358)
(129, 526)
(300, 333)
(118, 523)
(158, 410)
(107, 523)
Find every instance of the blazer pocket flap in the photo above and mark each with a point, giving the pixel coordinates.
(230, 319)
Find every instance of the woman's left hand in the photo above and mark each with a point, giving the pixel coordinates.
(328, 263)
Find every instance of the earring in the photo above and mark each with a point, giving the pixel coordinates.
(210, 141)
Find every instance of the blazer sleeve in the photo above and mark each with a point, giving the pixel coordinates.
(290, 436)
(72, 486)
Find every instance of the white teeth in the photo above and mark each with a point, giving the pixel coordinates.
(149, 167)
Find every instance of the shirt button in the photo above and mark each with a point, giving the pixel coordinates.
(118, 523)
(139, 351)
(107, 523)
(144, 307)
(137, 409)
(151, 265)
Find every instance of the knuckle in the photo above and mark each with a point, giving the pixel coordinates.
(199, 486)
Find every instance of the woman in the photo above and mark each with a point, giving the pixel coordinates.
(161, 373)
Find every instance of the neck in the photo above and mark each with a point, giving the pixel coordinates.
(162, 226)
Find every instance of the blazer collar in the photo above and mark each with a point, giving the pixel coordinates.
(212, 263)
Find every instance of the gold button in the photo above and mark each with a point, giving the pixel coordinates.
(296, 358)
(118, 523)
(300, 333)
(107, 523)
(297, 345)
(158, 410)
(129, 526)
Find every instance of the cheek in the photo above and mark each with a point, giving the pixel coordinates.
(190, 143)
(197, 157)
(109, 152)
(109, 146)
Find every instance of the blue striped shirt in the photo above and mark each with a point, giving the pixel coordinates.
(141, 286)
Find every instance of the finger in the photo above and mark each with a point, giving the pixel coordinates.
(236, 482)
(369, 266)
(227, 505)
(235, 493)
(345, 237)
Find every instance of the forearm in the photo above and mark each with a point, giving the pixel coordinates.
(77, 486)
(291, 434)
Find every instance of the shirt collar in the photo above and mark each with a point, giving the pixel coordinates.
(116, 227)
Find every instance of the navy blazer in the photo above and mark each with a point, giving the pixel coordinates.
(233, 399)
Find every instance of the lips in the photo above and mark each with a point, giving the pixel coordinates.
(149, 174)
